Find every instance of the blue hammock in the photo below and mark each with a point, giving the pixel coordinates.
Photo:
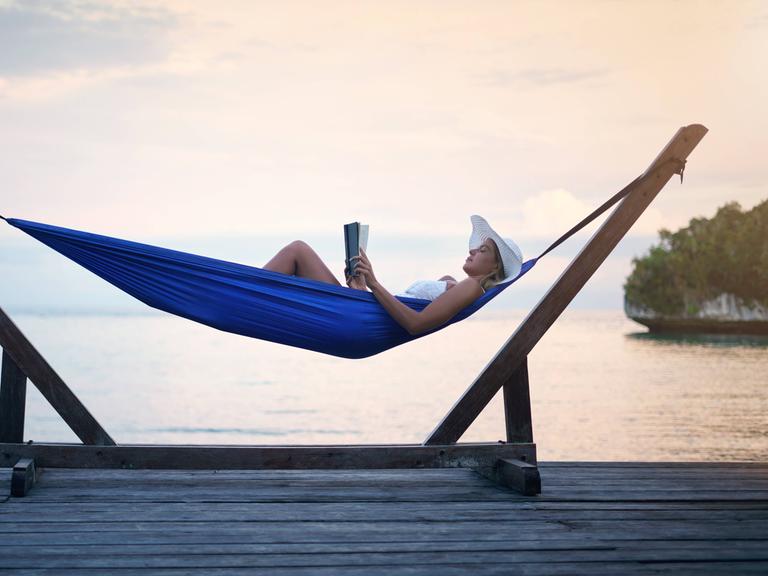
(242, 299)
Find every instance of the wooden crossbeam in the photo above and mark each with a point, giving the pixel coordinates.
(266, 457)
(51, 386)
(502, 367)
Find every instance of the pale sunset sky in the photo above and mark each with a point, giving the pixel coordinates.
(229, 128)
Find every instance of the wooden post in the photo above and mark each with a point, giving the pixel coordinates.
(58, 394)
(23, 477)
(519, 475)
(13, 394)
(511, 356)
(517, 406)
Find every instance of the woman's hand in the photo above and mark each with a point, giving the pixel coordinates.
(356, 282)
(438, 312)
(364, 269)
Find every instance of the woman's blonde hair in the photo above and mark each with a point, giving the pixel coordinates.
(497, 276)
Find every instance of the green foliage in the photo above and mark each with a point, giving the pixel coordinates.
(727, 253)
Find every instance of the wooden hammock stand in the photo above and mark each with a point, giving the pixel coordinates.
(511, 463)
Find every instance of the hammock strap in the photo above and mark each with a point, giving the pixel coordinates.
(611, 201)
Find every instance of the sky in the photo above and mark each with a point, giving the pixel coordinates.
(230, 128)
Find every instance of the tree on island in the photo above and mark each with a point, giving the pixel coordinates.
(724, 254)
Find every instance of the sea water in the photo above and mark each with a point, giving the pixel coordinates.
(601, 388)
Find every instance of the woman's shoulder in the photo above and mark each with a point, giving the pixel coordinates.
(471, 285)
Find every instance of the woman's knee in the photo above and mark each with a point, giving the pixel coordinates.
(296, 248)
(299, 245)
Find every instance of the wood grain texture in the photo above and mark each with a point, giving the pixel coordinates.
(519, 476)
(266, 457)
(23, 477)
(660, 518)
(745, 568)
(13, 396)
(562, 292)
(51, 386)
(517, 405)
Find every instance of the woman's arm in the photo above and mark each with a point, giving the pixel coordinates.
(438, 312)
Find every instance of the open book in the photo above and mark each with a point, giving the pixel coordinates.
(355, 237)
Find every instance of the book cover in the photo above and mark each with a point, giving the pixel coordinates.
(355, 237)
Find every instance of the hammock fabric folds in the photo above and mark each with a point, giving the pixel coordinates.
(241, 299)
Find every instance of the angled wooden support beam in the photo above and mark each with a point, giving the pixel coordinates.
(23, 477)
(13, 394)
(641, 192)
(51, 386)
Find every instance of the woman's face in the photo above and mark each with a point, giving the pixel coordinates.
(481, 260)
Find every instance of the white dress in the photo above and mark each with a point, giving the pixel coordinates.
(425, 289)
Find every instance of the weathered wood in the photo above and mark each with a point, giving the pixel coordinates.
(266, 457)
(101, 548)
(343, 494)
(557, 474)
(243, 509)
(51, 386)
(23, 478)
(150, 514)
(563, 496)
(740, 488)
(397, 559)
(13, 395)
(232, 529)
(515, 474)
(577, 568)
(511, 355)
(115, 477)
(517, 405)
(5, 481)
(519, 476)
(428, 521)
(329, 495)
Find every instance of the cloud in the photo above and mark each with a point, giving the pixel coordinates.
(548, 213)
(757, 22)
(551, 213)
(542, 76)
(49, 37)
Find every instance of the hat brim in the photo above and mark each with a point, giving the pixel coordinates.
(511, 255)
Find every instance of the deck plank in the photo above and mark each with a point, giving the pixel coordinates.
(532, 569)
(593, 518)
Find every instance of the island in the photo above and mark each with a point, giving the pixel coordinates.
(709, 277)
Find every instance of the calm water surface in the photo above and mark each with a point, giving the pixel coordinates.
(601, 389)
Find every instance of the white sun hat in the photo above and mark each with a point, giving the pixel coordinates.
(511, 256)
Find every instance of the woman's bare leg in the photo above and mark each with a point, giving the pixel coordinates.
(299, 259)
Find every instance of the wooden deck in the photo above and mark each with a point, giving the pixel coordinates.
(593, 518)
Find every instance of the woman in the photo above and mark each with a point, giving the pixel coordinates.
(492, 259)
